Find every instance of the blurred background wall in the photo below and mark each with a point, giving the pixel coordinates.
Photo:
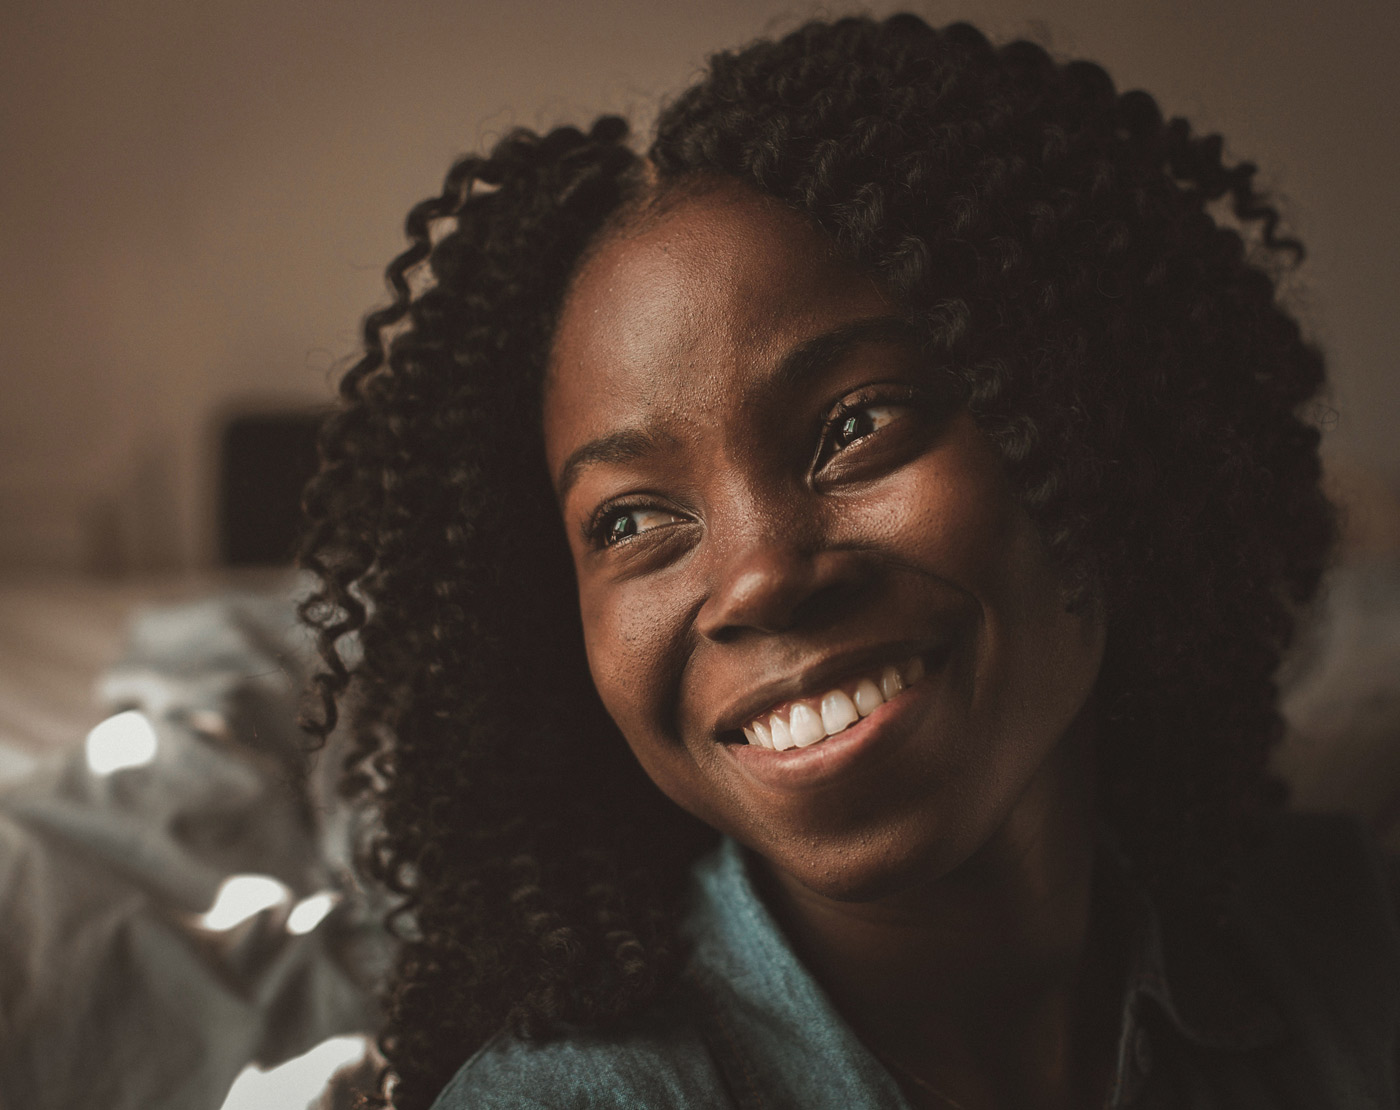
(197, 201)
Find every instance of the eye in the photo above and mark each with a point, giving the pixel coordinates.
(862, 415)
(623, 522)
(860, 421)
(879, 427)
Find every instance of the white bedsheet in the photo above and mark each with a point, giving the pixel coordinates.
(118, 988)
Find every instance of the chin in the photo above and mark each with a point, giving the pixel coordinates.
(866, 865)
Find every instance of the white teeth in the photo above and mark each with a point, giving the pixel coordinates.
(805, 726)
(808, 721)
(868, 697)
(764, 734)
(782, 738)
(838, 711)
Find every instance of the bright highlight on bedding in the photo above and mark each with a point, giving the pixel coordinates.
(125, 740)
(241, 897)
(297, 1082)
(310, 912)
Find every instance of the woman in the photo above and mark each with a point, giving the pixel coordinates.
(899, 474)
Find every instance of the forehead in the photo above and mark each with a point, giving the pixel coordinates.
(671, 319)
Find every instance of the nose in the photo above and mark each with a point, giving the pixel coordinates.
(772, 585)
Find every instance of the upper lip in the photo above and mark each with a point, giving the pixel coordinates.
(815, 677)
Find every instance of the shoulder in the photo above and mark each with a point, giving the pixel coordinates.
(657, 1062)
(1319, 910)
(1322, 878)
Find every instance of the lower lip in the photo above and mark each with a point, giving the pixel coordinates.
(799, 769)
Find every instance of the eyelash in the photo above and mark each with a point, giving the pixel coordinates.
(599, 531)
(870, 398)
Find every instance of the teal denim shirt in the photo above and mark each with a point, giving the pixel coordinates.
(1294, 1004)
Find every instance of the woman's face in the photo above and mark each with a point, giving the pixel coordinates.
(780, 515)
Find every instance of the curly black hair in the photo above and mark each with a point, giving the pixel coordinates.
(1052, 241)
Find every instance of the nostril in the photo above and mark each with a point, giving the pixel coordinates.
(763, 594)
(826, 604)
(775, 588)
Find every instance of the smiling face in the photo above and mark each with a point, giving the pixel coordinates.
(787, 531)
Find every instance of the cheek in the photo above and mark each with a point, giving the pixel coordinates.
(628, 654)
(950, 514)
(1037, 663)
(1050, 659)
(1031, 665)
(1049, 655)
(636, 655)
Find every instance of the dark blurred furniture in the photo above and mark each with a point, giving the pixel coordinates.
(265, 460)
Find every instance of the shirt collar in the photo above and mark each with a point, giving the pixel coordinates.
(1195, 974)
(770, 1001)
(1192, 974)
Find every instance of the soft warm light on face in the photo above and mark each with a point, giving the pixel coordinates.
(297, 1082)
(125, 740)
(241, 897)
(819, 505)
(310, 912)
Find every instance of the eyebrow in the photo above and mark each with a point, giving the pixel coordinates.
(808, 359)
(817, 354)
(619, 447)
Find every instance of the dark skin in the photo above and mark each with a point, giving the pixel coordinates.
(769, 492)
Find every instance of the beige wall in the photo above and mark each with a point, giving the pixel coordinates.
(198, 198)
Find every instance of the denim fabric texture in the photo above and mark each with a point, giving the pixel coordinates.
(1293, 1003)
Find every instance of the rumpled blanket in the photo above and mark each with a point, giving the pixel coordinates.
(118, 991)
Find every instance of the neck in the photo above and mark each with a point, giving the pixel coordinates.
(980, 982)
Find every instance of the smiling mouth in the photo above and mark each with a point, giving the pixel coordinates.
(807, 721)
